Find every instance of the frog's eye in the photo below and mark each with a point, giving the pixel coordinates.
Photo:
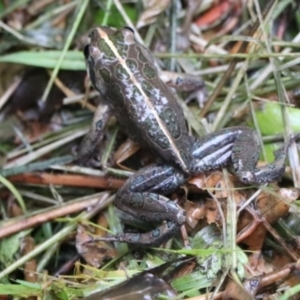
(86, 51)
(129, 28)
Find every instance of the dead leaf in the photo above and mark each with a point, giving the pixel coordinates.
(94, 253)
(195, 211)
(127, 149)
(235, 291)
(269, 207)
(30, 272)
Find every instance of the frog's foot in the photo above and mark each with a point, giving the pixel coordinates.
(88, 160)
(248, 173)
(153, 238)
(186, 83)
(199, 95)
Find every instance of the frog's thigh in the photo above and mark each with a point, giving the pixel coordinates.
(214, 150)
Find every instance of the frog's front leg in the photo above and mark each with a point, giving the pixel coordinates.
(186, 83)
(89, 144)
(142, 196)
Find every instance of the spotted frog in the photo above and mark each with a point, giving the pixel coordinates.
(123, 71)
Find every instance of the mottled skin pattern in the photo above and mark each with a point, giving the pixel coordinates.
(125, 85)
(124, 73)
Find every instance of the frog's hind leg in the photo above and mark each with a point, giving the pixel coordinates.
(141, 197)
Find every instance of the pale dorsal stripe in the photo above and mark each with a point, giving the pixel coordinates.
(113, 48)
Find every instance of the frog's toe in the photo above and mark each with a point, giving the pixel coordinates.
(246, 177)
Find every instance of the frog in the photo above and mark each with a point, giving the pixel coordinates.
(125, 74)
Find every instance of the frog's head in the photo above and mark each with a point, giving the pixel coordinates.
(109, 43)
(108, 48)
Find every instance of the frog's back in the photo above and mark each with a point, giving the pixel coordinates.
(126, 77)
